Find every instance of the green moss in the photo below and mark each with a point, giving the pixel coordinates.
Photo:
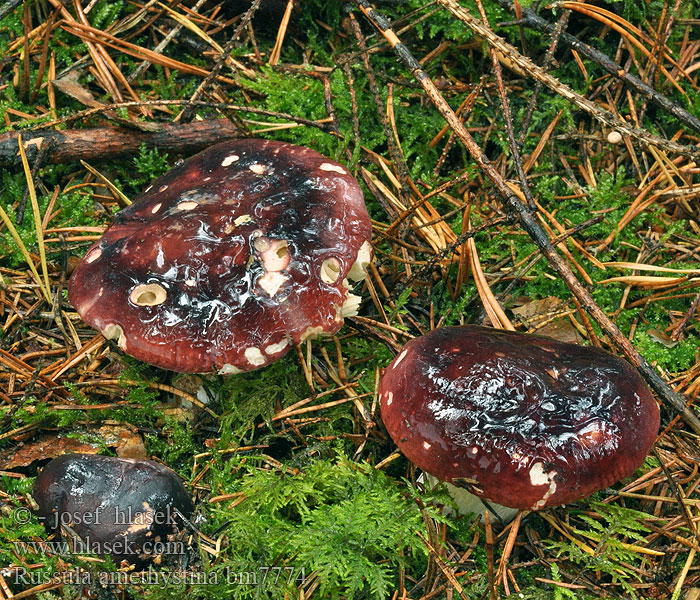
(347, 523)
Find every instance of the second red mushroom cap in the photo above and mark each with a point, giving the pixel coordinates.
(521, 420)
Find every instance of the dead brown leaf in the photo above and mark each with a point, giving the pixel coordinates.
(549, 317)
(49, 446)
(70, 87)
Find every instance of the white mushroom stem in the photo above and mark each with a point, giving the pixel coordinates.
(204, 392)
(468, 503)
(115, 332)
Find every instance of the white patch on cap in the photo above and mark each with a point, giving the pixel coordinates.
(260, 243)
(242, 219)
(228, 369)
(156, 208)
(539, 477)
(190, 282)
(272, 281)
(330, 270)
(273, 253)
(162, 188)
(426, 445)
(389, 398)
(148, 294)
(257, 169)
(358, 270)
(278, 347)
(229, 159)
(115, 332)
(334, 168)
(93, 255)
(399, 358)
(254, 356)
(311, 332)
(187, 205)
(475, 450)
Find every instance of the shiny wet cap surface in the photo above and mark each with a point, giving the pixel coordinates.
(521, 420)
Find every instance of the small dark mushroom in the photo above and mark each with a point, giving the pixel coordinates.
(121, 507)
(521, 420)
(229, 259)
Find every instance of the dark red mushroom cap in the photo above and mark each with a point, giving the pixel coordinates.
(521, 420)
(228, 259)
(121, 507)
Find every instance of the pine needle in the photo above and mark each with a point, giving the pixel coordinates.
(37, 221)
(112, 188)
(23, 249)
(644, 267)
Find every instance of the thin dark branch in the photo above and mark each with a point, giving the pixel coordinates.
(71, 145)
(514, 150)
(530, 19)
(546, 63)
(8, 7)
(188, 113)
